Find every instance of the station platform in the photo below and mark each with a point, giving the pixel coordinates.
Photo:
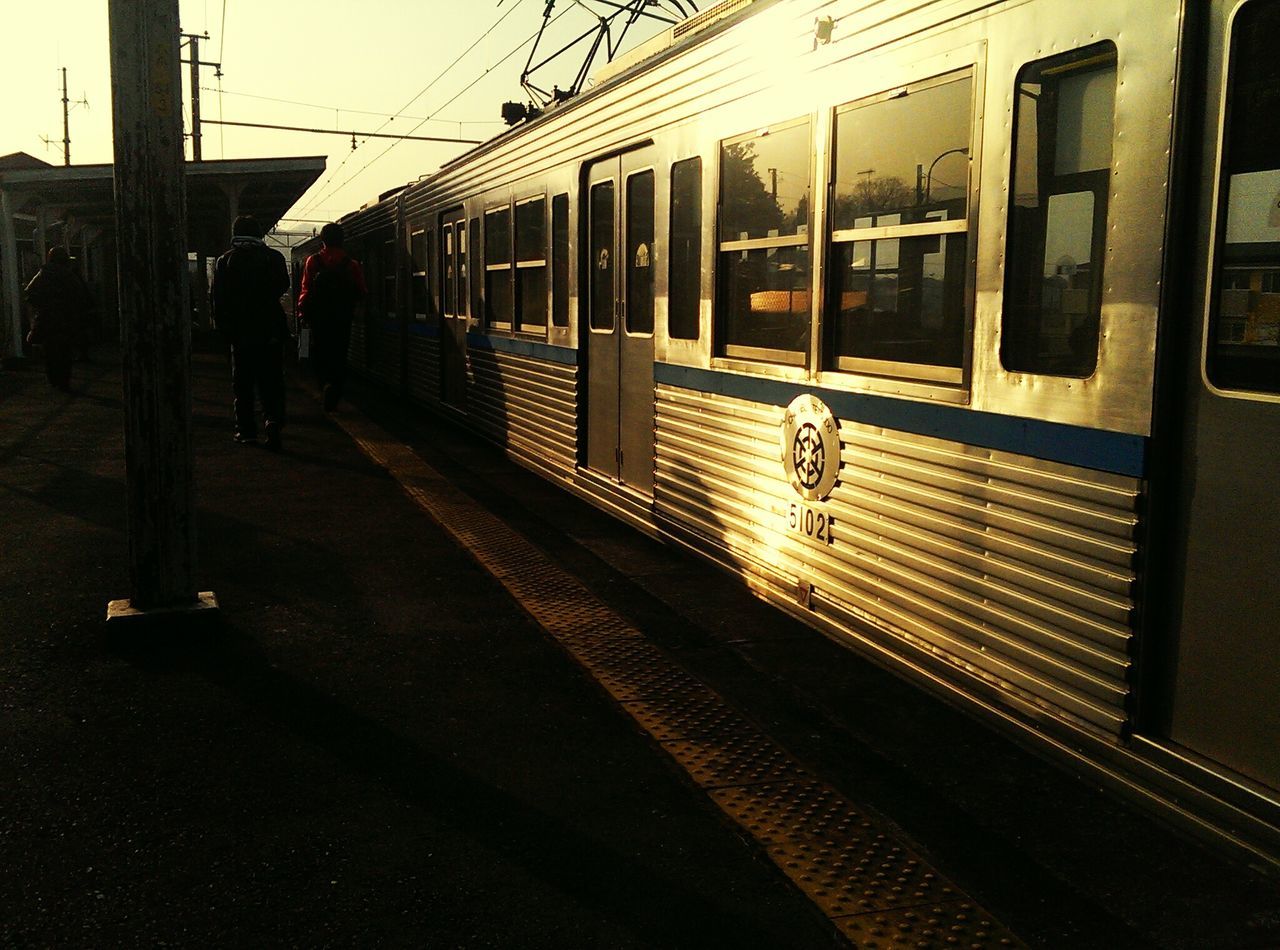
(445, 703)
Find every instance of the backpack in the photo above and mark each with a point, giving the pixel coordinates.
(332, 292)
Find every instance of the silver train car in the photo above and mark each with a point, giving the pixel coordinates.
(952, 327)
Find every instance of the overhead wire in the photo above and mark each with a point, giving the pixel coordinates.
(328, 178)
(338, 109)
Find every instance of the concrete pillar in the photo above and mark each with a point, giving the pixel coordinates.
(150, 205)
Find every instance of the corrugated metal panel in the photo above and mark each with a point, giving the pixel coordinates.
(356, 348)
(384, 351)
(1017, 570)
(526, 405)
(424, 368)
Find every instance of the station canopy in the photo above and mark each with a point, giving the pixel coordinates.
(217, 191)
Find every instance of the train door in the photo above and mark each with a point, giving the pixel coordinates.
(453, 307)
(1226, 694)
(619, 318)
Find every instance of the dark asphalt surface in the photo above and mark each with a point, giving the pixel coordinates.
(373, 746)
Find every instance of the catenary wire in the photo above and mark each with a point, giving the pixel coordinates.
(419, 95)
(445, 105)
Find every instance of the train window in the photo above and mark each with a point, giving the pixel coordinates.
(418, 263)
(499, 305)
(477, 267)
(602, 301)
(1243, 350)
(531, 263)
(388, 271)
(1063, 127)
(899, 231)
(640, 258)
(764, 310)
(459, 289)
(684, 288)
(560, 260)
(448, 268)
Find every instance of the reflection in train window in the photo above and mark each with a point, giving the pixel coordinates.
(640, 258)
(1243, 350)
(531, 264)
(560, 261)
(899, 222)
(684, 289)
(497, 267)
(763, 272)
(418, 265)
(1063, 128)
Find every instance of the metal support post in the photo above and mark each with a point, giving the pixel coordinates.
(151, 226)
(9, 275)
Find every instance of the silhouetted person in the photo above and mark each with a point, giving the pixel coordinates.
(248, 281)
(332, 285)
(62, 302)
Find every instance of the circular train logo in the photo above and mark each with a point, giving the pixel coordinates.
(810, 447)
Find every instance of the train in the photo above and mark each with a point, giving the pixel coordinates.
(949, 326)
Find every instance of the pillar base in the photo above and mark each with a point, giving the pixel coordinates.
(120, 612)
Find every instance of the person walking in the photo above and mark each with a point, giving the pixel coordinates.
(248, 282)
(62, 303)
(332, 285)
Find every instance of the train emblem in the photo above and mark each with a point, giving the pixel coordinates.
(810, 447)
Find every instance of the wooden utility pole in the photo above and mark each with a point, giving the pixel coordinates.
(66, 121)
(150, 205)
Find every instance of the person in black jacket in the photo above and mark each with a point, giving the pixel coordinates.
(61, 301)
(248, 281)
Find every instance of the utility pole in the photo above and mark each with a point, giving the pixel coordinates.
(66, 121)
(201, 289)
(150, 206)
(193, 41)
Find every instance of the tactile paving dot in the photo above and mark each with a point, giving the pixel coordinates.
(662, 679)
(723, 761)
(947, 926)
(696, 712)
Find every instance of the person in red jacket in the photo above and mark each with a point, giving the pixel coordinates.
(332, 285)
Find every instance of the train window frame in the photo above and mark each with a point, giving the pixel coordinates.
(1019, 262)
(419, 268)
(1239, 369)
(504, 267)
(684, 293)
(529, 265)
(560, 264)
(935, 226)
(801, 243)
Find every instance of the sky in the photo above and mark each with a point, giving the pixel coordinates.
(360, 65)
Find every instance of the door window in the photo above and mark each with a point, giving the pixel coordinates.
(601, 261)
(1243, 347)
(1063, 130)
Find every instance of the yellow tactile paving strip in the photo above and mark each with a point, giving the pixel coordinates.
(875, 891)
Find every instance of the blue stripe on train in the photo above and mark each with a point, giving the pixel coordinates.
(506, 344)
(1090, 448)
